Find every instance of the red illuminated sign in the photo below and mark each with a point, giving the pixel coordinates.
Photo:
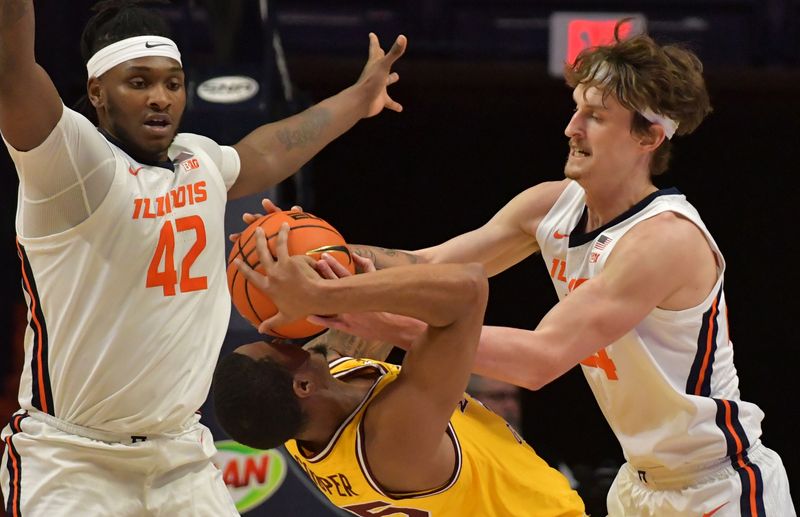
(571, 32)
(592, 33)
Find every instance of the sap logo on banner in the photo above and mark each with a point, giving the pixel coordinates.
(228, 89)
(252, 475)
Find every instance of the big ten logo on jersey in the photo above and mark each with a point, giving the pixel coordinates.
(190, 164)
(557, 272)
(187, 161)
(251, 475)
(382, 508)
(330, 484)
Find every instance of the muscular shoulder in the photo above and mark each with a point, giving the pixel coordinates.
(74, 146)
(671, 255)
(225, 158)
(666, 233)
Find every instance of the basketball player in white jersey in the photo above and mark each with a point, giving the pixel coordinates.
(120, 234)
(641, 301)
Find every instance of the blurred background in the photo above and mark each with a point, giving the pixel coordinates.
(483, 120)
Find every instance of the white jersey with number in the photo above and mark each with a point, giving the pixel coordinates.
(128, 308)
(668, 388)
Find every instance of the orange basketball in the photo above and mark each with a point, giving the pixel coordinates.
(308, 235)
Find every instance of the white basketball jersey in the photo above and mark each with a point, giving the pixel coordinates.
(128, 309)
(668, 388)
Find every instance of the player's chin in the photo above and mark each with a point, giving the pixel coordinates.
(161, 134)
(157, 143)
(571, 172)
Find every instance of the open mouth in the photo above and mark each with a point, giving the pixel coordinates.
(158, 124)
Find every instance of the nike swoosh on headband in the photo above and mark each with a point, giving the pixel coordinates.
(131, 48)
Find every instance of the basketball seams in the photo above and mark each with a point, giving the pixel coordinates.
(311, 234)
(250, 302)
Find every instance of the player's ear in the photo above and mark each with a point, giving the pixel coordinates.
(303, 386)
(95, 92)
(652, 137)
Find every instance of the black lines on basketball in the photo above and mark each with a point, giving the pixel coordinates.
(308, 235)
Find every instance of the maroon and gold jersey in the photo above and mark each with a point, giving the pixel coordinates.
(495, 473)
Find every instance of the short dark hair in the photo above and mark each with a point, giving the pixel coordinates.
(254, 401)
(116, 20)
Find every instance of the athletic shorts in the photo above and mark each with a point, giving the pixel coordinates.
(757, 487)
(50, 472)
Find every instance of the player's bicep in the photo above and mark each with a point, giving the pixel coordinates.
(433, 378)
(65, 179)
(639, 274)
(29, 107)
(254, 168)
(406, 437)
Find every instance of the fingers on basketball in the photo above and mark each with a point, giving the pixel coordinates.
(306, 235)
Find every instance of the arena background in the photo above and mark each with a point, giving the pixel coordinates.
(483, 120)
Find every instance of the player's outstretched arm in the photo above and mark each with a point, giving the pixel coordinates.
(275, 151)
(663, 262)
(297, 289)
(29, 103)
(506, 239)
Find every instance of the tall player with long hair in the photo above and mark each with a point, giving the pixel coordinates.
(640, 282)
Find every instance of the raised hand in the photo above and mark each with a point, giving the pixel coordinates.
(377, 75)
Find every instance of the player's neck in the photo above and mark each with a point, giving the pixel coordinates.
(162, 160)
(610, 201)
(331, 410)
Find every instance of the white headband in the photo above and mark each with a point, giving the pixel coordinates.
(602, 75)
(131, 48)
(667, 123)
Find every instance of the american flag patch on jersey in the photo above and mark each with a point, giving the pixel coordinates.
(602, 242)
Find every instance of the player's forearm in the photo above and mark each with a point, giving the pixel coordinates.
(385, 257)
(517, 356)
(16, 35)
(353, 346)
(285, 146)
(436, 294)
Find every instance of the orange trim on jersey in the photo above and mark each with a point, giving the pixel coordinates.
(729, 425)
(709, 345)
(15, 470)
(752, 477)
(13, 482)
(40, 376)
